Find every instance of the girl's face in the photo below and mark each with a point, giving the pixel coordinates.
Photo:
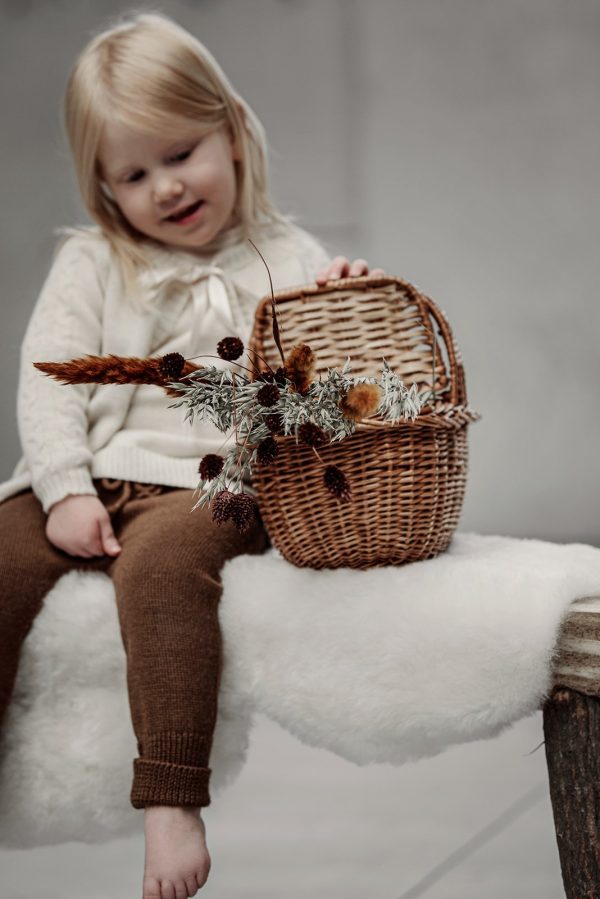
(179, 190)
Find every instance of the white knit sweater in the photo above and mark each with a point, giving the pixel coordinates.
(71, 434)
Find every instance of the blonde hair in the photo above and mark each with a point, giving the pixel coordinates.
(151, 74)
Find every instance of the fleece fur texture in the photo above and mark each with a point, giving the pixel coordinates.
(385, 665)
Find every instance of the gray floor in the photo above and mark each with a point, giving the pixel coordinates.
(302, 823)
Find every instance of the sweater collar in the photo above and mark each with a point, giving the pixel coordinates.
(229, 251)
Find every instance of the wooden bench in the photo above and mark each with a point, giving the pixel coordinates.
(572, 741)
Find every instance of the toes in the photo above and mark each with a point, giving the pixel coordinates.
(202, 876)
(151, 888)
(167, 890)
(192, 886)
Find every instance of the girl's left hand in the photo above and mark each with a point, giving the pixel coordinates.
(341, 267)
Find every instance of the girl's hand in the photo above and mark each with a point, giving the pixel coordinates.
(341, 267)
(80, 526)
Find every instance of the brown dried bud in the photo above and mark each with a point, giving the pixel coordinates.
(171, 366)
(360, 401)
(268, 395)
(243, 510)
(300, 367)
(312, 434)
(211, 466)
(280, 376)
(221, 506)
(274, 422)
(273, 377)
(230, 348)
(337, 483)
(267, 451)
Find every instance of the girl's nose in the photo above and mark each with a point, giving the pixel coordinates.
(167, 188)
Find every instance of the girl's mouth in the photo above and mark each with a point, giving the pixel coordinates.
(186, 215)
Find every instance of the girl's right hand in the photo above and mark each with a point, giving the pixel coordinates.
(81, 526)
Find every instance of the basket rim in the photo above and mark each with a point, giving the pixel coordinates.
(444, 415)
(361, 282)
(430, 414)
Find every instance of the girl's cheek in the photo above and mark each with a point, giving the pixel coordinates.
(128, 210)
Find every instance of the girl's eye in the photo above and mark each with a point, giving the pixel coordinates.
(135, 176)
(181, 156)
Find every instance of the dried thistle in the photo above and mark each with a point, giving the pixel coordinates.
(312, 434)
(222, 506)
(230, 348)
(360, 401)
(273, 377)
(300, 367)
(274, 423)
(268, 395)
(267, 451)
(211, 466)
(337, 483)
(171, 365)
(243, 509)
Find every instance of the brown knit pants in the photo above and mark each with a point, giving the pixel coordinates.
(167, 585)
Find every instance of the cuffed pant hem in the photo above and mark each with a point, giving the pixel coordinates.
(165, 783)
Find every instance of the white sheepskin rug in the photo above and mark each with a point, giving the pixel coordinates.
(385, 665)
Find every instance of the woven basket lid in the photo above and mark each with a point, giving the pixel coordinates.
(370, 319)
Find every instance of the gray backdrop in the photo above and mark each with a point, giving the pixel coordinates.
(454, 143)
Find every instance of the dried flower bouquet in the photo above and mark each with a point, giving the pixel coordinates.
(287, 402)
(257, 408)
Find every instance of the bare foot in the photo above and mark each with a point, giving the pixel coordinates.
(177, 862)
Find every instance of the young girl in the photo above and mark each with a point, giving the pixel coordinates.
(171, 164)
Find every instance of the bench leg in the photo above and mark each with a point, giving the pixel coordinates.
(572, 735)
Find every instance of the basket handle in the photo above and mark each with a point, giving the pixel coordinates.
(429, 309)
(458, 387)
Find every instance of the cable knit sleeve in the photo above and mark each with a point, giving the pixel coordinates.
(52, 418)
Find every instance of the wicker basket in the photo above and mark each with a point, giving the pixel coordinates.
(408, 479)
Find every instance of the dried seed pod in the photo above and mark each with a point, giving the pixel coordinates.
(267, 451)
(230, 348)
(280, 376)
(300, 367)
(268, 395)
(337, 483)
(312, 434)
(109, 369)
(113, 369)
(171, 366)
(274, 422)
(221, 506)
(243, 509)
(273, 377)
(211, 466)
(360, 401)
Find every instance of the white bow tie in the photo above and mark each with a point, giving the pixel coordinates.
(212, 292)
